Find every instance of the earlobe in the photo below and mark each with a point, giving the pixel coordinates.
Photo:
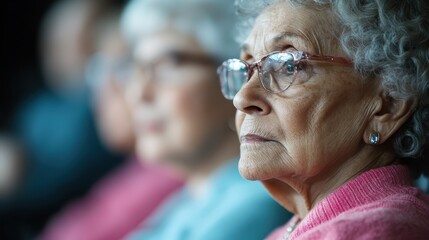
(389, 119)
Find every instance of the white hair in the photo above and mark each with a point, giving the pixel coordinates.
(211, 22)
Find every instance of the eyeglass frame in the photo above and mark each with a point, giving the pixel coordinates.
(98, 66)
(188, 58)
(297, 55)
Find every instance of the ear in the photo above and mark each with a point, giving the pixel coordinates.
(390, 116)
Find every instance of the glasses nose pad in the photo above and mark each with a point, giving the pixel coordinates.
(252, 71)
(255, 71)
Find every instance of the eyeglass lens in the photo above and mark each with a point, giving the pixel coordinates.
(233, 75)
(276, 73)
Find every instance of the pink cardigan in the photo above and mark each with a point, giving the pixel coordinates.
(378, 204)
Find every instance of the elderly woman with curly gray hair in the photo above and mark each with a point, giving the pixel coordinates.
(333, 113)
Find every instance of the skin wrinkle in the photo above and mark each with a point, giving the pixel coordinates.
(327, 27)
(302, 44)
(320, 193)
(324, 114)
(268, 42)
(307, 159)
(296, 35)
(271, 133)
(280, 42)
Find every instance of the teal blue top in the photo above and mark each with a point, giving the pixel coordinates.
(230, 208)
(423, 183)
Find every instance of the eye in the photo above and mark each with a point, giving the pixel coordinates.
(282, 69)
(303, 72)
(288, 68)
(174, 59)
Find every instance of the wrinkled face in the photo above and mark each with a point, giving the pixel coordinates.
(315, 125)
(178, 109)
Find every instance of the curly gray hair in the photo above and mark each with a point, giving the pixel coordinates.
(387, 39)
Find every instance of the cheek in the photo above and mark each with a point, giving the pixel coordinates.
(294, 117)
(188, 112)
(151, 150)
(184, 105)
(300, 123)
(340, 115)
(329, 126)
(239, 118)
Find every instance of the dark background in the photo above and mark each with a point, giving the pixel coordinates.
(21, 79)
(20, 46)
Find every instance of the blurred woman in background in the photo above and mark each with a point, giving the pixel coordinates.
(181, 120)
(121, 200)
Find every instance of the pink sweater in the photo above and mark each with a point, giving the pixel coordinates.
(116, 205)
(378, 204)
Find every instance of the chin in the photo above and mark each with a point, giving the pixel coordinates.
(249, 170)
(150, 152)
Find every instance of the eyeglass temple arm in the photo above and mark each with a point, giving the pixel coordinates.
(339, 60)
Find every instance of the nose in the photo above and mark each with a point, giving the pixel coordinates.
(252, 98)
(140, 88)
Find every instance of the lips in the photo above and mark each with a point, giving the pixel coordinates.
(149, 126)
(148, 120)
(253, 138)
(152, 127)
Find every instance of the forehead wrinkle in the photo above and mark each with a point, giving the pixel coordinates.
(310, 31)
(316, 28)
(322, 32)
(256, 44)
(298, 34)
(311, 41)
(296, 39)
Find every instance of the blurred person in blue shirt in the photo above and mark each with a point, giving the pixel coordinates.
(181, 119)
(423, 183)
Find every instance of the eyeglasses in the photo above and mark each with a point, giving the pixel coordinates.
(277, 71)
(102, 67)
(169, 66)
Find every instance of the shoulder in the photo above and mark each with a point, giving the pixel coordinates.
(393, 218)
(241, 207)
(253, 198)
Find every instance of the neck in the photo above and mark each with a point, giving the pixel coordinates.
(299, 195)
(227, 149)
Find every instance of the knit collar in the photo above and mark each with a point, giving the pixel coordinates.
(368, 187)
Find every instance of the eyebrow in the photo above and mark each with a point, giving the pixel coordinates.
(277, 40)
(245, 47)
